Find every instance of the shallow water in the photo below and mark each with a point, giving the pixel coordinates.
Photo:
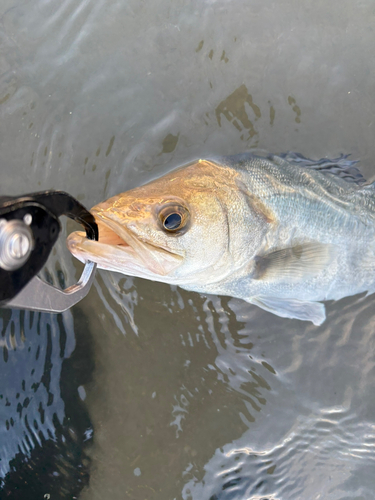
(145, 391)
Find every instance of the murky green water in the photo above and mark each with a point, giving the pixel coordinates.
(145, 391)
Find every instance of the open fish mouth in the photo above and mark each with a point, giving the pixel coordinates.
(119, 249)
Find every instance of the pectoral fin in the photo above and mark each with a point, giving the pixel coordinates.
(292, 308)
(295, 263)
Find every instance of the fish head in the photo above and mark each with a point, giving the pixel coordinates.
(175, 229)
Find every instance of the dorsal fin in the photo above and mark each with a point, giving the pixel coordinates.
(340, 167)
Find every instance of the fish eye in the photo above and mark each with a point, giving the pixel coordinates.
(172, 222)
(174, 218)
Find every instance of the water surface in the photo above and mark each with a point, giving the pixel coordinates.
(148, 391)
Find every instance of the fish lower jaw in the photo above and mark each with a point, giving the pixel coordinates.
(145, 262)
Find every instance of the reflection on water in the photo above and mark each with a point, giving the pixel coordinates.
(291, 468)
(322, 437)
(44, 429)
(190, 397)
(212, 399)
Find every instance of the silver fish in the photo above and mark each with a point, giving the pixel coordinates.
(282, 232)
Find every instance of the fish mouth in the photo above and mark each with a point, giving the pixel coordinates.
(119, 249)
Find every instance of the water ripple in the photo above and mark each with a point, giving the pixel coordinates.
(34, 346)
(329, 442)
(313, 460)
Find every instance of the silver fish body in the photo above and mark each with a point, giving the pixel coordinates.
(317, 244)
(284, 233)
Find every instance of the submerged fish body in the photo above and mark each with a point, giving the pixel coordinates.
(282, 232)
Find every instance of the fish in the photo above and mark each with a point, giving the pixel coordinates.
(280, 231)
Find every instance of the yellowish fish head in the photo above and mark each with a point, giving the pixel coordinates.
(174, 229)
